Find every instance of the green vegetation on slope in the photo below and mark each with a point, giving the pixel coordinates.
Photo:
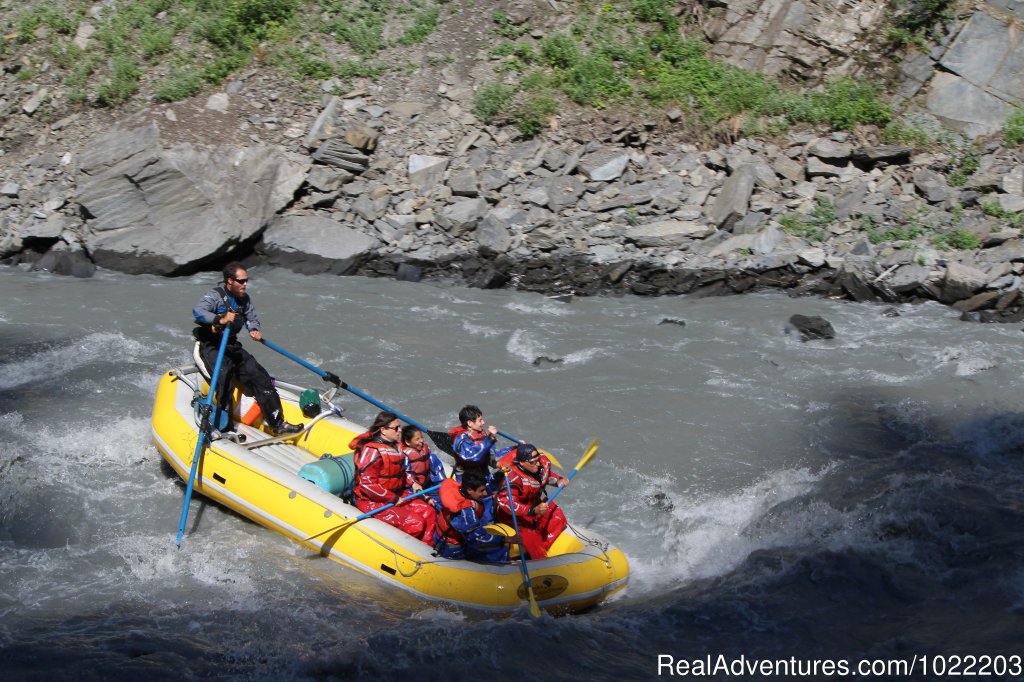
(637, 54)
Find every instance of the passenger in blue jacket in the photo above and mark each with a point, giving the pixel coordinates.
(230, 305)
(466, 510)
(475, 446)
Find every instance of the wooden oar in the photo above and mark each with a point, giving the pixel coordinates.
(349, 522)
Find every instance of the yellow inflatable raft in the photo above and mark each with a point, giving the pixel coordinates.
(260, 479)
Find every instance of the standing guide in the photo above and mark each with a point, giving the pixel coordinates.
(231, 305)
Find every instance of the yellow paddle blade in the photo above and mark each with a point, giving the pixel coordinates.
(591, 451)
(550, 457)
(534, 609)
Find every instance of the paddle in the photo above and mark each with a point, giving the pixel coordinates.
(204, 431)
(543, 452)
(587, 456)
(440, 438)
(368, 514)
(534, 609)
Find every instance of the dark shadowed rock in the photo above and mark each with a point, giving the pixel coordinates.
(62, 259)
(409, 273)
(812, 327)
(889, 153)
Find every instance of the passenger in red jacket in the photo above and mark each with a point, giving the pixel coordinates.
(540, 522)
(381, 478)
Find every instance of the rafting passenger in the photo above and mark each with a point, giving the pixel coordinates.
(230, 304)
(421, 463)
(381, 479)
(475, 444)
(540, 522)
(466, 510)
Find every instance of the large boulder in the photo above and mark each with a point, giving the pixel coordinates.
(173, 211)
(314, 244)
(961, 282)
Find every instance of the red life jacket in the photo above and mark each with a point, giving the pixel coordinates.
(452, 502)
(419, 463)
(379, 473)
(527, 489)
(357, 443)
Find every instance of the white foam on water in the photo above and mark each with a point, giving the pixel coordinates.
(481, 330)
(222, 560)
(974, 365)
(53, 363)
(69, 448)
(434, 312)
(524, 345)
(709, 535)
(583, 356)
(545, 309)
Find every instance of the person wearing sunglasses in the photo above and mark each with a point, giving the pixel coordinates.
(529, 474)
(382, 478)
(230, 304)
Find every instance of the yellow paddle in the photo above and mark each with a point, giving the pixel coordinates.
(587, 456)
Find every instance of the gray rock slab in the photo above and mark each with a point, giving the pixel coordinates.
(324, 126)
(464, 183)
(426, 171)
(314, 244)
(732, 202)
(494, 232)
(964, 106)
(907, 278)
(327, 178)
(172, 211)
(932, 186)
(563, 191)
(604, 164)
(671, 233)
(961, 282)
(824, 148)
(462, 216)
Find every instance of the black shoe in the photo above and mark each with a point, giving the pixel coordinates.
(286, 427)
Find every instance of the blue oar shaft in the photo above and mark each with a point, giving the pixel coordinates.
(561, 488)
(522, 549)
(368, 514)
(203, 428)
(327, 376)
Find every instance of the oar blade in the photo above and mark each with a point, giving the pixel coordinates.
(534, 609)
(589, 454)
(551, 458)
(444, 442)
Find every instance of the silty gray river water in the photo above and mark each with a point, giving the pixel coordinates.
(857, 498)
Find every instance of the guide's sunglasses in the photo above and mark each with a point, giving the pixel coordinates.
(244, 280)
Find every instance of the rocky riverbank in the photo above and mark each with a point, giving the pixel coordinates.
(380, 183)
